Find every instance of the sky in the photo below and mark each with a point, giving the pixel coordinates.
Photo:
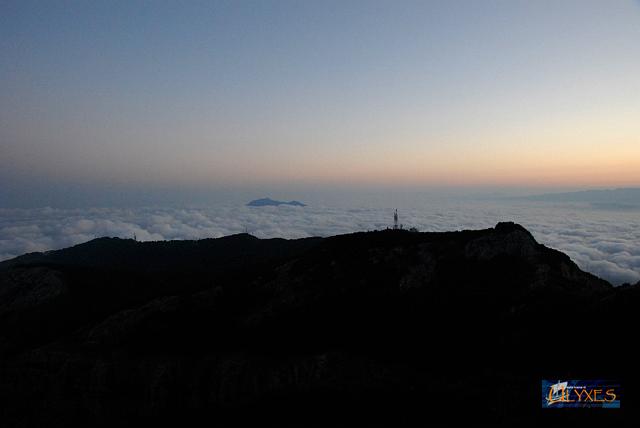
(170, 99)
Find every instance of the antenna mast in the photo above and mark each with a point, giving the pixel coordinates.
(395, 219)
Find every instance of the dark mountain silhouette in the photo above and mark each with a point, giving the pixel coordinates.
(265, 202)
(387, 328)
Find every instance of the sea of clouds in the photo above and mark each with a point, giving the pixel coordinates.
(604, 242)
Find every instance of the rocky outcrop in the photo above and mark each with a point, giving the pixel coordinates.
(25, 288)
(381, 328)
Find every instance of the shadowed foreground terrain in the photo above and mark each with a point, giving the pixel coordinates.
(388, 328)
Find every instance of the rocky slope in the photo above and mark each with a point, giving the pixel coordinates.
(380, 328)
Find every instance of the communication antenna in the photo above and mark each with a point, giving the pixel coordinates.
(395, 219)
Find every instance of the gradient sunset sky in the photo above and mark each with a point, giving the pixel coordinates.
(235, 94)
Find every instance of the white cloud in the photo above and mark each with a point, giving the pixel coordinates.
(606, 243)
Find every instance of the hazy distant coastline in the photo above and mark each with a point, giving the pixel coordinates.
(615, 199)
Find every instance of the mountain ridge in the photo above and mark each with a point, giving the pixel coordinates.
(625, 198)
(361, 329)
(265, 202)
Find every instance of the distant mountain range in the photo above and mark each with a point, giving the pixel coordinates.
(266, 202)
(385, 328)
(626, 198)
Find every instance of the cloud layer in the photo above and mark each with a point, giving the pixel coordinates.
(606, 243)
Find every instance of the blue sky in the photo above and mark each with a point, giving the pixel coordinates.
(176, 97)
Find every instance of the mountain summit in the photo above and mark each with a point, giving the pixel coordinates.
(265, 202)
(385, 328)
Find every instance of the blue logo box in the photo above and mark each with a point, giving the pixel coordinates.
(557, 394)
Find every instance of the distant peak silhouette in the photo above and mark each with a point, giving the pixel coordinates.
(265, 202)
